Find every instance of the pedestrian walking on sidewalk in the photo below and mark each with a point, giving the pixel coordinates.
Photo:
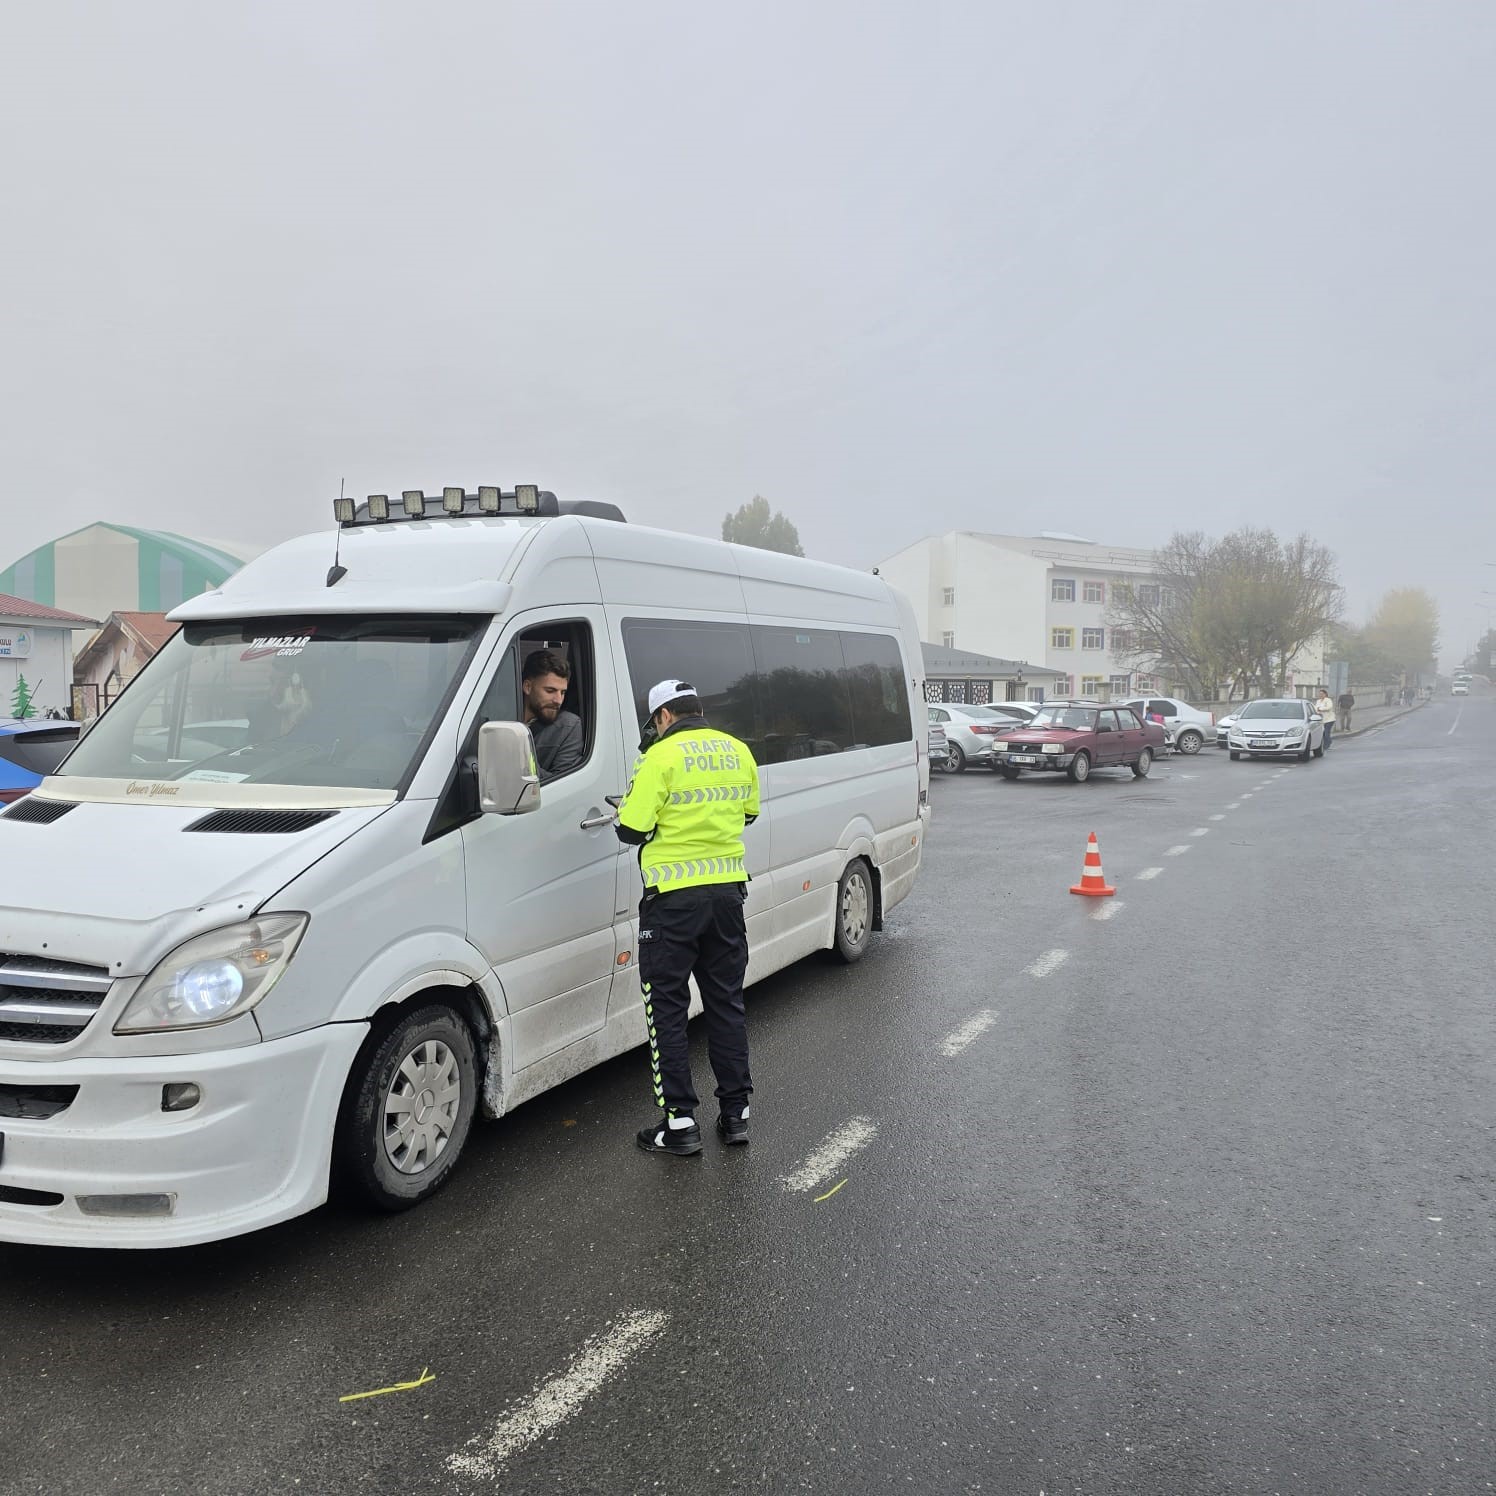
(1345, 701)
(693, 792)
(1324, 705)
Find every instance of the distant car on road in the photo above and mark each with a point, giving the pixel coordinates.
(970, 730)
(1074, 737)
(31, 750)
(1277, 728)
(1460, 688)
(1189, 727)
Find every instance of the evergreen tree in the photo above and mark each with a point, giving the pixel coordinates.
(21, 707)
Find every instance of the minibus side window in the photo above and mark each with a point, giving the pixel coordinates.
(804, 700)
(716, 658)
(880, 699)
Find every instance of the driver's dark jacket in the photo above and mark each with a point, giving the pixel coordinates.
(559, 745)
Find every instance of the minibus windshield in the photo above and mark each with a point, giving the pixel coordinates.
(329, 702)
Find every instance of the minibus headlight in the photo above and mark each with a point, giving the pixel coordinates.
(216, 976)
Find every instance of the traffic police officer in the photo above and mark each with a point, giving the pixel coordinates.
(694, 790)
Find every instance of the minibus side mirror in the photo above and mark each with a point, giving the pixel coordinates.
(508, 776)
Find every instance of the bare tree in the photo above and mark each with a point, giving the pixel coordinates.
(1233, 610)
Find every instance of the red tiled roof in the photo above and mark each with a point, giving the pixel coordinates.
(21, 607)
(152, 627)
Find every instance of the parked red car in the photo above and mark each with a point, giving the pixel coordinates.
(1074, 737)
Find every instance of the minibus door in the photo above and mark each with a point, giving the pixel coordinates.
(542, 887)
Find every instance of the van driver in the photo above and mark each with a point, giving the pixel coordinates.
(559, 741)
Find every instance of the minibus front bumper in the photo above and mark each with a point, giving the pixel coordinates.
(91, 1157)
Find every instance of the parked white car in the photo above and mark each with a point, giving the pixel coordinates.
(1189, 728)
(1277, 728)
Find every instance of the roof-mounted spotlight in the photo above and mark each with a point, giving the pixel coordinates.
(343, 511)
(452, 499)
(414, 500)
(379, 507)
(488, 501)
(527, 498)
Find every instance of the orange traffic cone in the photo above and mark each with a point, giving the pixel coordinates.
(1092, 883)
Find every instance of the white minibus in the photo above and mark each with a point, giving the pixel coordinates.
(298, 907)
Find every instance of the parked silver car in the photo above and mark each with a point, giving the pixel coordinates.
(971, 730)
(1277, 728)
(939, 750)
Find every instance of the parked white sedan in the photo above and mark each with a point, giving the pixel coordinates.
(1277, 728)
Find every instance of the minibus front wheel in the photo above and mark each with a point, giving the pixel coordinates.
(408, 1108)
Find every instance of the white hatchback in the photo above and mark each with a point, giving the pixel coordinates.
(1277, 728)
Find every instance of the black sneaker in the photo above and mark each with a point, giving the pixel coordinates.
(733, 1129)
(661, 1137)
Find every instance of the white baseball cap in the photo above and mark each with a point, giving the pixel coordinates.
(666, 692)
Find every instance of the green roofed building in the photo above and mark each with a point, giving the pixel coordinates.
(107, 568)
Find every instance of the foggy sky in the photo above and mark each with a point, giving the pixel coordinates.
(1111, 269)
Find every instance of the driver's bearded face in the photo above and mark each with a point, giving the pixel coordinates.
(543, 697)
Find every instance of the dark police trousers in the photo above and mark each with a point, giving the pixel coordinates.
(695, 932)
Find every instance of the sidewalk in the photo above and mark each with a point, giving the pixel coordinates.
(1365, 718)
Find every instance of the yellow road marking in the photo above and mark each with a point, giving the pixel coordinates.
(425, 1376)
(829, 1193)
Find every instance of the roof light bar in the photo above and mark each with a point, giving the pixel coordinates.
(452, 499)
(414, 500)
(379, 507)
(488, 500)
(527, 498)
(343, 511)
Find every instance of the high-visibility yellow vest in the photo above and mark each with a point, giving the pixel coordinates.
(694, 789)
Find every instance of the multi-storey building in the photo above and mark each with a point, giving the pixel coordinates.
(1043, 599)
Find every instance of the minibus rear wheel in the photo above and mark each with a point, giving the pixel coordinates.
(408, 1109)
(855, 908)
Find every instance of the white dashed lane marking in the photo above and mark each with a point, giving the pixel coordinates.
(1201, 831)
(1178, 851)
(826, 1160)
(1107, 908)
(601, 1358)
(1147, 873)
(1234, 805)
(1049, 962)
(968, 1033)
(1218, 818)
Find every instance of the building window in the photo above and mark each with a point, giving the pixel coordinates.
(1090, 685)
(1093, 638)
(948, 597)
(1119, 686)
(1124, 641)
(1094, 592)
(1149, 595)
(1061, 590)
(1062, 638)
(1065, 686)
(1036, 693)
(948, 640)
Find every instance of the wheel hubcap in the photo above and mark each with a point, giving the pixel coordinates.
(421, 1107)
(854, 910)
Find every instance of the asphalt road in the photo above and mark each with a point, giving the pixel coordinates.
(1190, 1190)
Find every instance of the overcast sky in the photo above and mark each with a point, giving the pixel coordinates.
(1117, 269)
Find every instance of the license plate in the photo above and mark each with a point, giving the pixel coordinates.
(1025, 758)
(1263, 743)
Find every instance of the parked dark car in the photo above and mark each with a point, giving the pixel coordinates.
(1074, 737)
